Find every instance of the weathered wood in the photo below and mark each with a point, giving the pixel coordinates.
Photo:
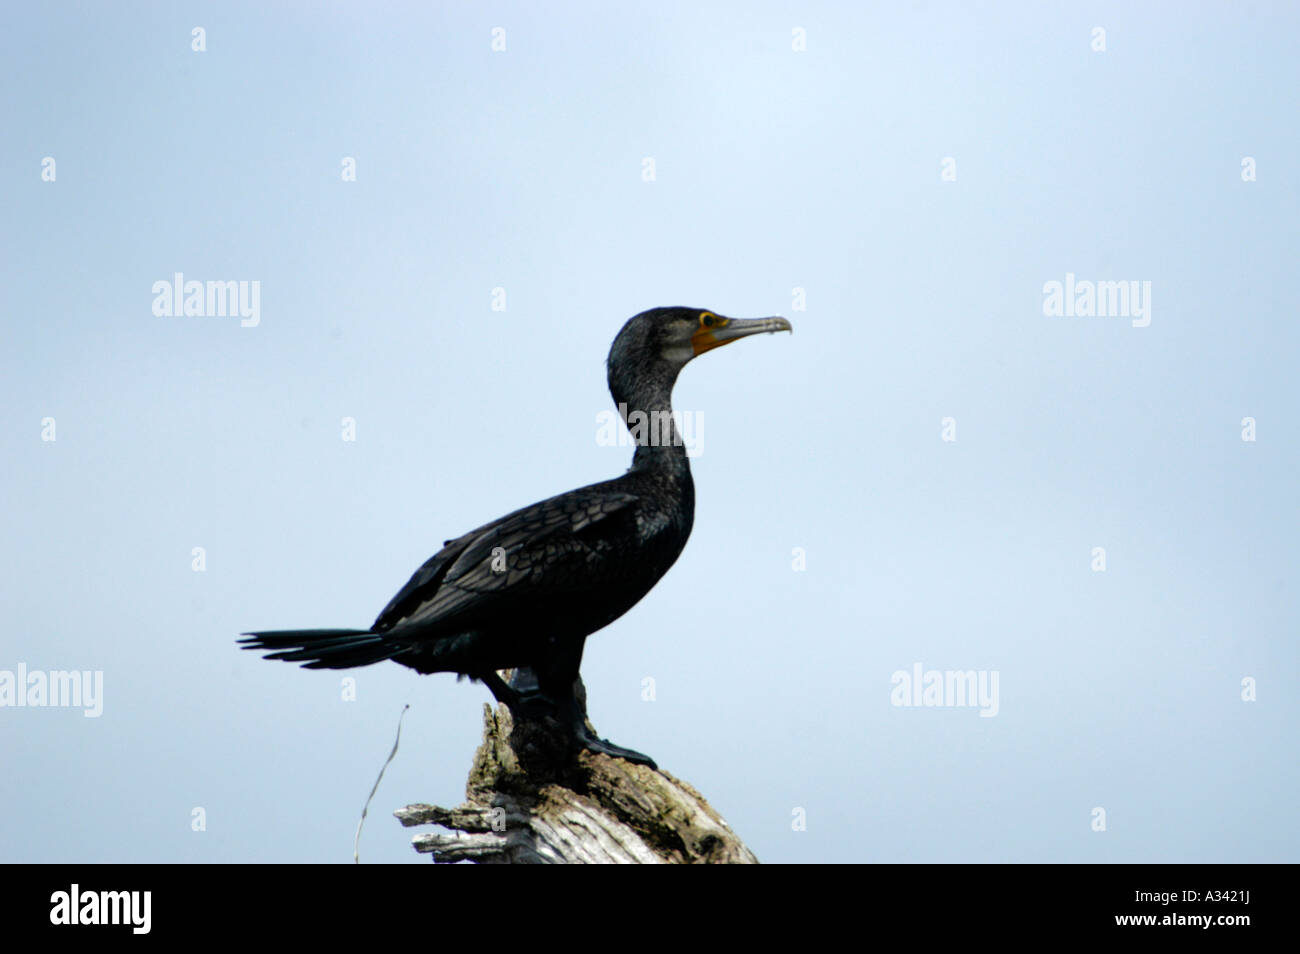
(529, 801)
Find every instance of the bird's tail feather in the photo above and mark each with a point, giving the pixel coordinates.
(326, 648)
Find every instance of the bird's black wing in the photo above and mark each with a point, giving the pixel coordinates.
(543, 550)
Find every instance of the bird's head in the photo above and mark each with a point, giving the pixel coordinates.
(658, 343)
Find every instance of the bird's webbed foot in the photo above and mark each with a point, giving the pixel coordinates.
(529, 702)
(582, 737)
(586, 739)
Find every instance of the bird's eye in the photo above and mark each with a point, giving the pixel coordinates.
(708, 320)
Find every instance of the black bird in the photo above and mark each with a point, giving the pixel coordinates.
(526, 591)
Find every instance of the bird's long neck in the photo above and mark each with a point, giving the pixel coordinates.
(647, 409)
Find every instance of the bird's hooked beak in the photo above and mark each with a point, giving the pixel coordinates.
(719, 331)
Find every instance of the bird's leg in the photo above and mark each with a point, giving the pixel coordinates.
(500, 691)
(522, 695)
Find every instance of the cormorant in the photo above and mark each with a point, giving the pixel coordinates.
(526, 591)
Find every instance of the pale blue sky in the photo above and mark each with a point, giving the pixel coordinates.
(775, 169)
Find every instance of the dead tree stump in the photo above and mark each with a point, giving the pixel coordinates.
(529, 801)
